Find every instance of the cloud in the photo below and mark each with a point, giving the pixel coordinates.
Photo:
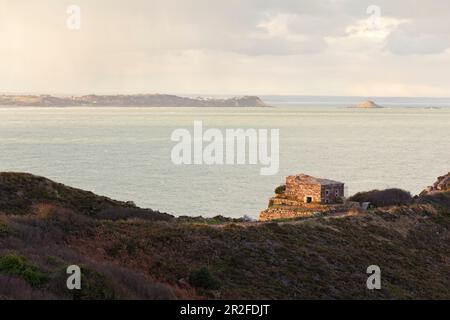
(364, 29)
(411, 38)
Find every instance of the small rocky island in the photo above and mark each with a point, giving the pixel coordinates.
(134, 100)
(368, 104)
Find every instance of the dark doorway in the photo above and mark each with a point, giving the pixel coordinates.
(308, 199)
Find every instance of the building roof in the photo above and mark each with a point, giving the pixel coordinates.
(306, 179)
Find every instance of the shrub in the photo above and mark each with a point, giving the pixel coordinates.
(44, 210)
(203, 279)
(130, 284)
(383, 198)
(94, 286)
(13, 288)
(439, 200)
(247, 218)
(280, 189)
(4, 230)
(18, 266)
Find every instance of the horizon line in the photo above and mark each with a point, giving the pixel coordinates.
(228, 95)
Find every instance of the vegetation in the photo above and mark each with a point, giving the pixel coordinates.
(3, 229)
(203, 279)
(194, 258)
(95, 286)
(210, 221)
(383, 198)
(20, 193)
(280, 189)
(19, 266)
(440, 200)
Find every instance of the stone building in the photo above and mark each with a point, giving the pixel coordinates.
(307, 189)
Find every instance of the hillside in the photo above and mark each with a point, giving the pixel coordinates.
(128, 252)
(137, 100)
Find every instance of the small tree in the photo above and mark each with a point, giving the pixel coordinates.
(280, 189)
(202, 278)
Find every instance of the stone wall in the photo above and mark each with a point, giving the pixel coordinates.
(299, 210)
(335, 193)
(299, 191)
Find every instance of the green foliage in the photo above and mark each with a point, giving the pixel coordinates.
(219, 219)
(383, 198)
(4, 230)
(132, 246)
(18, 266)
(280, 189)
(203, 279)
(114, 250)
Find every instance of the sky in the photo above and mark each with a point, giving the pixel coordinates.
(261, 47)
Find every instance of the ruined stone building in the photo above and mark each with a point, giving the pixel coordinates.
(308, 189)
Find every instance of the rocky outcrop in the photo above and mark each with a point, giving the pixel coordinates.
(368, 104)
(137, 100)
(442, 184)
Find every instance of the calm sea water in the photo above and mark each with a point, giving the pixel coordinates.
(125, 153)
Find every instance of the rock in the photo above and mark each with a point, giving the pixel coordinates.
(442, 184)
(368, 104)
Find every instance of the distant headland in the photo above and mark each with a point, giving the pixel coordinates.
(134, 100)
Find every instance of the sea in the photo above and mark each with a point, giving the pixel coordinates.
(125, 153)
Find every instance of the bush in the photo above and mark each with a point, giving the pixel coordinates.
(439, 200)
(94, 286)
(203, 279)
(18, 266)
(247, 218)
(4, 230)
(383, 198)
(280, 189)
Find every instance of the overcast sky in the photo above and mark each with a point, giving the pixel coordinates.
(317, 47)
